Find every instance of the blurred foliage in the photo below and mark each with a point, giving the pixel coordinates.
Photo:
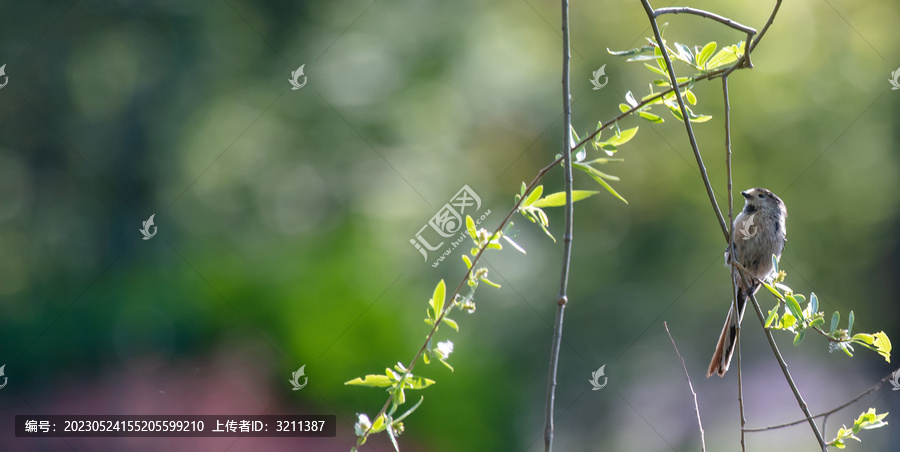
(284, 216)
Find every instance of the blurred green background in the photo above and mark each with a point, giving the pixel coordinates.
(284, 217)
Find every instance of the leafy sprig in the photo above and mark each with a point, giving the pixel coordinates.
(866, 421)
(799, 320)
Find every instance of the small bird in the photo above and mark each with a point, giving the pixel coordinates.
(753, 250)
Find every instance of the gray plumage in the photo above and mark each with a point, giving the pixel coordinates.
(759, 232)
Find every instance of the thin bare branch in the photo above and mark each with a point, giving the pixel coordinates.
(734, 291)
(567, 235)
(751, 46)
(787, 375)
(687, 122)
(829, 412)
(540, 174)
(690, 385)
(706, 14)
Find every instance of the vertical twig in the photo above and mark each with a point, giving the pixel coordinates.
(787, 375)
(651, 14)
(690, 385)
(734, 291)
(567, 237)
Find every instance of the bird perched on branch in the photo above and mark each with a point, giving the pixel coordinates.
(759, 233)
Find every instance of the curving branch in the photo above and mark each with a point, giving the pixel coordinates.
(706, 14)
(687, 123)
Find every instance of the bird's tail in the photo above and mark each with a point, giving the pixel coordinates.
(725, 347)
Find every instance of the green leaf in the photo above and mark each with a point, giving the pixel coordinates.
(725, 57)
(490, 283)
(684, 53)
(417, 382)
(675, 110)
(799, 338)
(630, 99)
(377, 425)
(467, 261)
(650, 117)
(792, 304)
(773, 314)
(559, 199)
(603, 161)
(863, 337)
(850, 323)
(846, 348)
(656, 69)
(511, 242)
(623, 137)
(534, 196)
(409, 411)
(665, 82)
(594, 171)
(522, 190)
(630, 52)
(705, 53)
(470, 226)
(372, 381)
(690, 97)
(451, 322)
(624, 107)
(543, 217)
(594, 175)
(788, 320)
(390, 431)
(883, 345)
(814, 304)
(835, 318)
(659, 59)
(437, 300)
(642, 58)
(773, 290)
(817, 322)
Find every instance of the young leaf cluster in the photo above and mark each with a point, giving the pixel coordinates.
(702, 61)
(799, 320)
(532, 207)
(610, 146)
(530, 204)
(397, 380)
(866, 421)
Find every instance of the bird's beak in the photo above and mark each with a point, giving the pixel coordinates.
(745, 194)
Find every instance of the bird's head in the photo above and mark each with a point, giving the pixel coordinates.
(761, 199)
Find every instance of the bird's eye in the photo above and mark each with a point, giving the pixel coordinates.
(761, 196)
